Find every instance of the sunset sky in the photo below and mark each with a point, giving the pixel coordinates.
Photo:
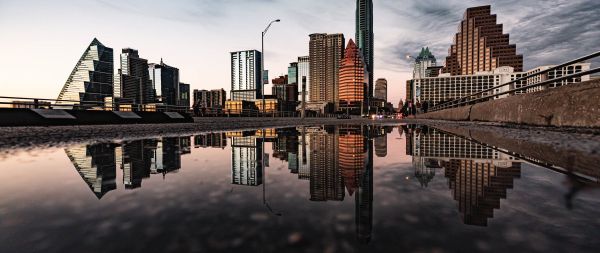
(40, 41)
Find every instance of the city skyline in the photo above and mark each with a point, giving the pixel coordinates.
(398, 33)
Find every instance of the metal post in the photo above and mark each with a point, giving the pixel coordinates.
(262, 63)
(303, 97)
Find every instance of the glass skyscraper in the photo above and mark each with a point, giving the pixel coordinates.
(245, 75)
(135, 84)
(303, 71)
(92, 78)
(365, 37)
(165, 81)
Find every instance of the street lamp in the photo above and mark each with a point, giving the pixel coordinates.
(262, 63)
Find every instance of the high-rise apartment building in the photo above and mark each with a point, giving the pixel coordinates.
(353, 78)
(326, 52)
(381, 89)
(134, 79)
(165, 82)
(210, 99)
(422, 62)
(304, 71)
(480, 45)
(245, 75)
(365, 37)
(92, 78)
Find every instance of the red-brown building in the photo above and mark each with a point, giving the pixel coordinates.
(480, 45)
(353, 81)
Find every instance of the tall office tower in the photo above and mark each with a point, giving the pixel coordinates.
(353, 77)
(184, 94)
(245, 75)
(135, 84)
(381, 89)
(293, 73)
(246, 166)
(352, 156)
(91, 79)
(165, 82)
(326, 52)
(365, 37)
(480, 45)
(326, 182)
(422, 62)
(96, 165)
(479, 186)
(304, 71)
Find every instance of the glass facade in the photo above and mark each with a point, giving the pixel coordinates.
(91, 80)
(304, 71)
(165, 82)
(245, 75)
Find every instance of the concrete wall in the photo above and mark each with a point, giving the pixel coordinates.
(575, 105)
(27, 117)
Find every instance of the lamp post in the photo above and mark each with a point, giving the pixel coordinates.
(262, 62)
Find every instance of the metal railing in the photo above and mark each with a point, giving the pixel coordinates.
(483, 95)
(121, 104)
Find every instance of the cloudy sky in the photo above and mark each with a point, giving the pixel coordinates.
(40, 40)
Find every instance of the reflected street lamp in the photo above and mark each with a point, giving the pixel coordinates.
(262, 63)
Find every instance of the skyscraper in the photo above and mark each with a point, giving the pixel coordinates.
(293, 73)
(326, 52)
(134, 79)
(326, 182)
(365, 37)
(92, 78)
(381, 89)
(353, 78)
(245, 75)
(480, 45)
(184, 94)
(165, 82)
(422, 62)
(304, 71)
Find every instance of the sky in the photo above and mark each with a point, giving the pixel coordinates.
(41, 40)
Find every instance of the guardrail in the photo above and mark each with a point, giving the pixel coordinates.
(121, 104)
(482, 96)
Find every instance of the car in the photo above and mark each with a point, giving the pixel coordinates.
(343, 116)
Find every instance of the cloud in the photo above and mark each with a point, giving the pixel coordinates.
(544, 32)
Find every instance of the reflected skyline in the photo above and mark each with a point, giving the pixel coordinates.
(338, 162)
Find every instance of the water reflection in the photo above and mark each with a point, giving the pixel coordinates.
(338, 162)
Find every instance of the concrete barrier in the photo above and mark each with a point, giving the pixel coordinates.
(29, 117)
(574, 105)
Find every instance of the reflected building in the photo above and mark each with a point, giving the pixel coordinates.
(352, 156)
(479, 186)
(96, 166)
(137, 159)
(91, 80)
(326, 182)
(212, 140)
(246, 160)
(363, 200)
(478, 176)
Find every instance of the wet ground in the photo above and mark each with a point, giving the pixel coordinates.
(345, 188)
